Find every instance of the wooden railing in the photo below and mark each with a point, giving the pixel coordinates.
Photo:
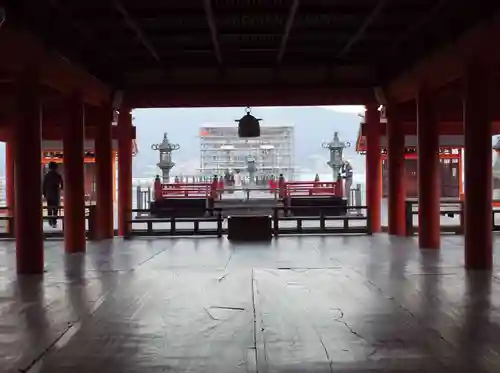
(311, 188)
(155, 226)
(192, 190)
(90, 225)
(448, 208)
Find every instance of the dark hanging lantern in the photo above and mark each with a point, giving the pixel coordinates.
(248, 125)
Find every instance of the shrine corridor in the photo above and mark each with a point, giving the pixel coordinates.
(297, 304)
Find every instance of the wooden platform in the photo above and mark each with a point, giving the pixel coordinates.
(296, 304)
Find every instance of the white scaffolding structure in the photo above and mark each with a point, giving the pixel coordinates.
(221, 149)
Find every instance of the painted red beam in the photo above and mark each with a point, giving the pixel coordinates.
(22, 48)
(231, 95)
(445, 128)
(448, 64)
(448, 111)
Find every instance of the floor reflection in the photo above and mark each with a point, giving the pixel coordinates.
(307, 304)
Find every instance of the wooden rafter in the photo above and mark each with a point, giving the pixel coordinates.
(84, 31)
(56, 4)
(209, 13)
(288, 28)
(362, 30)
(268, 94)
(57, 72)
(418, 25)
(138, 31)
(447, 65)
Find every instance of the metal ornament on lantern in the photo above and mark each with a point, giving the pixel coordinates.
(248, 125)
(336, 148)
(165, 148)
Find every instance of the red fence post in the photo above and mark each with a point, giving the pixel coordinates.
(281, 186)
(339, 187)
(158, 189)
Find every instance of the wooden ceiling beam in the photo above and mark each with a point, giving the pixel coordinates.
(209, 14)
(23, 48)
(136, 29)
(362, 29)
(288, 28)
(448, 64)
(265, 95)
(416, 26)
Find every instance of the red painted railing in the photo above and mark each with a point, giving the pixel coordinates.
(311, 188)
(179, 190)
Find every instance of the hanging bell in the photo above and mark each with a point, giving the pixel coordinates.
(248, 125)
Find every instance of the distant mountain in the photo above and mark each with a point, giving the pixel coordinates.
(313, 125)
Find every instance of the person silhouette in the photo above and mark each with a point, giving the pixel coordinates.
(52, 186)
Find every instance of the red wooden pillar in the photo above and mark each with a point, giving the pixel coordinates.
(104, 174)
(396, 177)
(9, 178)
(429, 191)
(74, 176)
(373, 169)
(478, 158)
(124, 171)
(27, 142)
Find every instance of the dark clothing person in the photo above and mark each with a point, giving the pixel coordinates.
(52, 185)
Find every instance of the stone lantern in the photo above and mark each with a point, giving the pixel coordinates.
(251, 168)
(165, 148)
(336, 148)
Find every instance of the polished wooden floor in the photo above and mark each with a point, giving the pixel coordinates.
(297, 304)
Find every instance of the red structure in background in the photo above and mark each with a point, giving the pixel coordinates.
(90, 188)
(450, 159)
(52, 151)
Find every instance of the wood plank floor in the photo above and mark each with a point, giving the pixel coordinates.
(297, 304)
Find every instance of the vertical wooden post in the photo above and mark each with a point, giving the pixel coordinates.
(373, 168)
(114, 166)
(478, 104)
(124, 171)
(429, 177)
(74, 176)
(27, 141)
(9, 180)
(396, 177)
(104, 174)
